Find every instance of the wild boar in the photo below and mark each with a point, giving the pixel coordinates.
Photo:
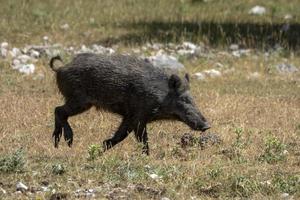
(131, 87)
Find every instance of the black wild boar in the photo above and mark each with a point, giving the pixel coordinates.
(128, 86)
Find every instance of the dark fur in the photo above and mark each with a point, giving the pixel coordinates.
(128, 86)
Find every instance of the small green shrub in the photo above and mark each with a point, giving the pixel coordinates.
(215, 172)
(274, 150)
(58, 169)
(14, 162)
(244, 186)
(289, 184)
(94, 151)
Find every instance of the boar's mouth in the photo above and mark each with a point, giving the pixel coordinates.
(197, 123)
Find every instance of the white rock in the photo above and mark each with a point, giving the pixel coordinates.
(286, 68)
(219, 65)
(288, 17)
(258, 10)
(46, 38)
(15, 52)
(21, 187)
(65, 26)
(16, 63)
(165, 198)
(24, 58)
(285, 195)
(234, 47)
(3, 191)
(285, 152)
(241, 52)
(189, 45)
(34, 53)
(3, 52)
(45, 189)
(155, 176)
(212, 73)
(199, 76)
(183, 52)
(166, 61)
(27, 69)
(4, 45)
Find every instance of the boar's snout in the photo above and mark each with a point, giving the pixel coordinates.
(205, 126)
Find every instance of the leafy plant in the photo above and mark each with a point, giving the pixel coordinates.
(274, 151)
(289, 184)
(94, 151)
(58, 169)
(244, 186)
(14, 162)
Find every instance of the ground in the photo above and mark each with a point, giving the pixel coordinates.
(257, 117)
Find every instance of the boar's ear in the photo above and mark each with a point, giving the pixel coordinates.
(174, 82)
(187, 77)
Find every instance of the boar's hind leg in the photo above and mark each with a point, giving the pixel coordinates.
(72, 107)
(141, 135)
(122, 132)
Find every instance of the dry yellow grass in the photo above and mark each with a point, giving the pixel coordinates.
(234, 103)
(26, 109)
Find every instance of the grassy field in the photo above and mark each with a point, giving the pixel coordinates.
(258, 119)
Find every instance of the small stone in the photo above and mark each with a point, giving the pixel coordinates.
(65, 27)
(189, 45)
(24, 58)
(199, 76)
(234, 47)
(15, 52)
(2, 190)
(286, 68)
(166, 62)
(21, 187)
(3, 52)
(219, 65)
(4, 45)
(154, 176)
(27, 69)
(46, 38)
(165, 198)
(45, 189)
(285, 195)
(288, 17)
(34, 54)
(257, 10)
(213, 73)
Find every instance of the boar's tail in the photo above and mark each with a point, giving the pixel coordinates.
(52, 62)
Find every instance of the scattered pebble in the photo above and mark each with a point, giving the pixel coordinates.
(234, 47)
(288, 17)
(285, 195)
(257, 10)
(212, 73)
(65, 27)
(166, 62)
(155, 176)
(21, 187)
(199, 76)
(2, 190)
(286, 68)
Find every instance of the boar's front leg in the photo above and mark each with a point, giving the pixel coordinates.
(122, 132)
(141, 135)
